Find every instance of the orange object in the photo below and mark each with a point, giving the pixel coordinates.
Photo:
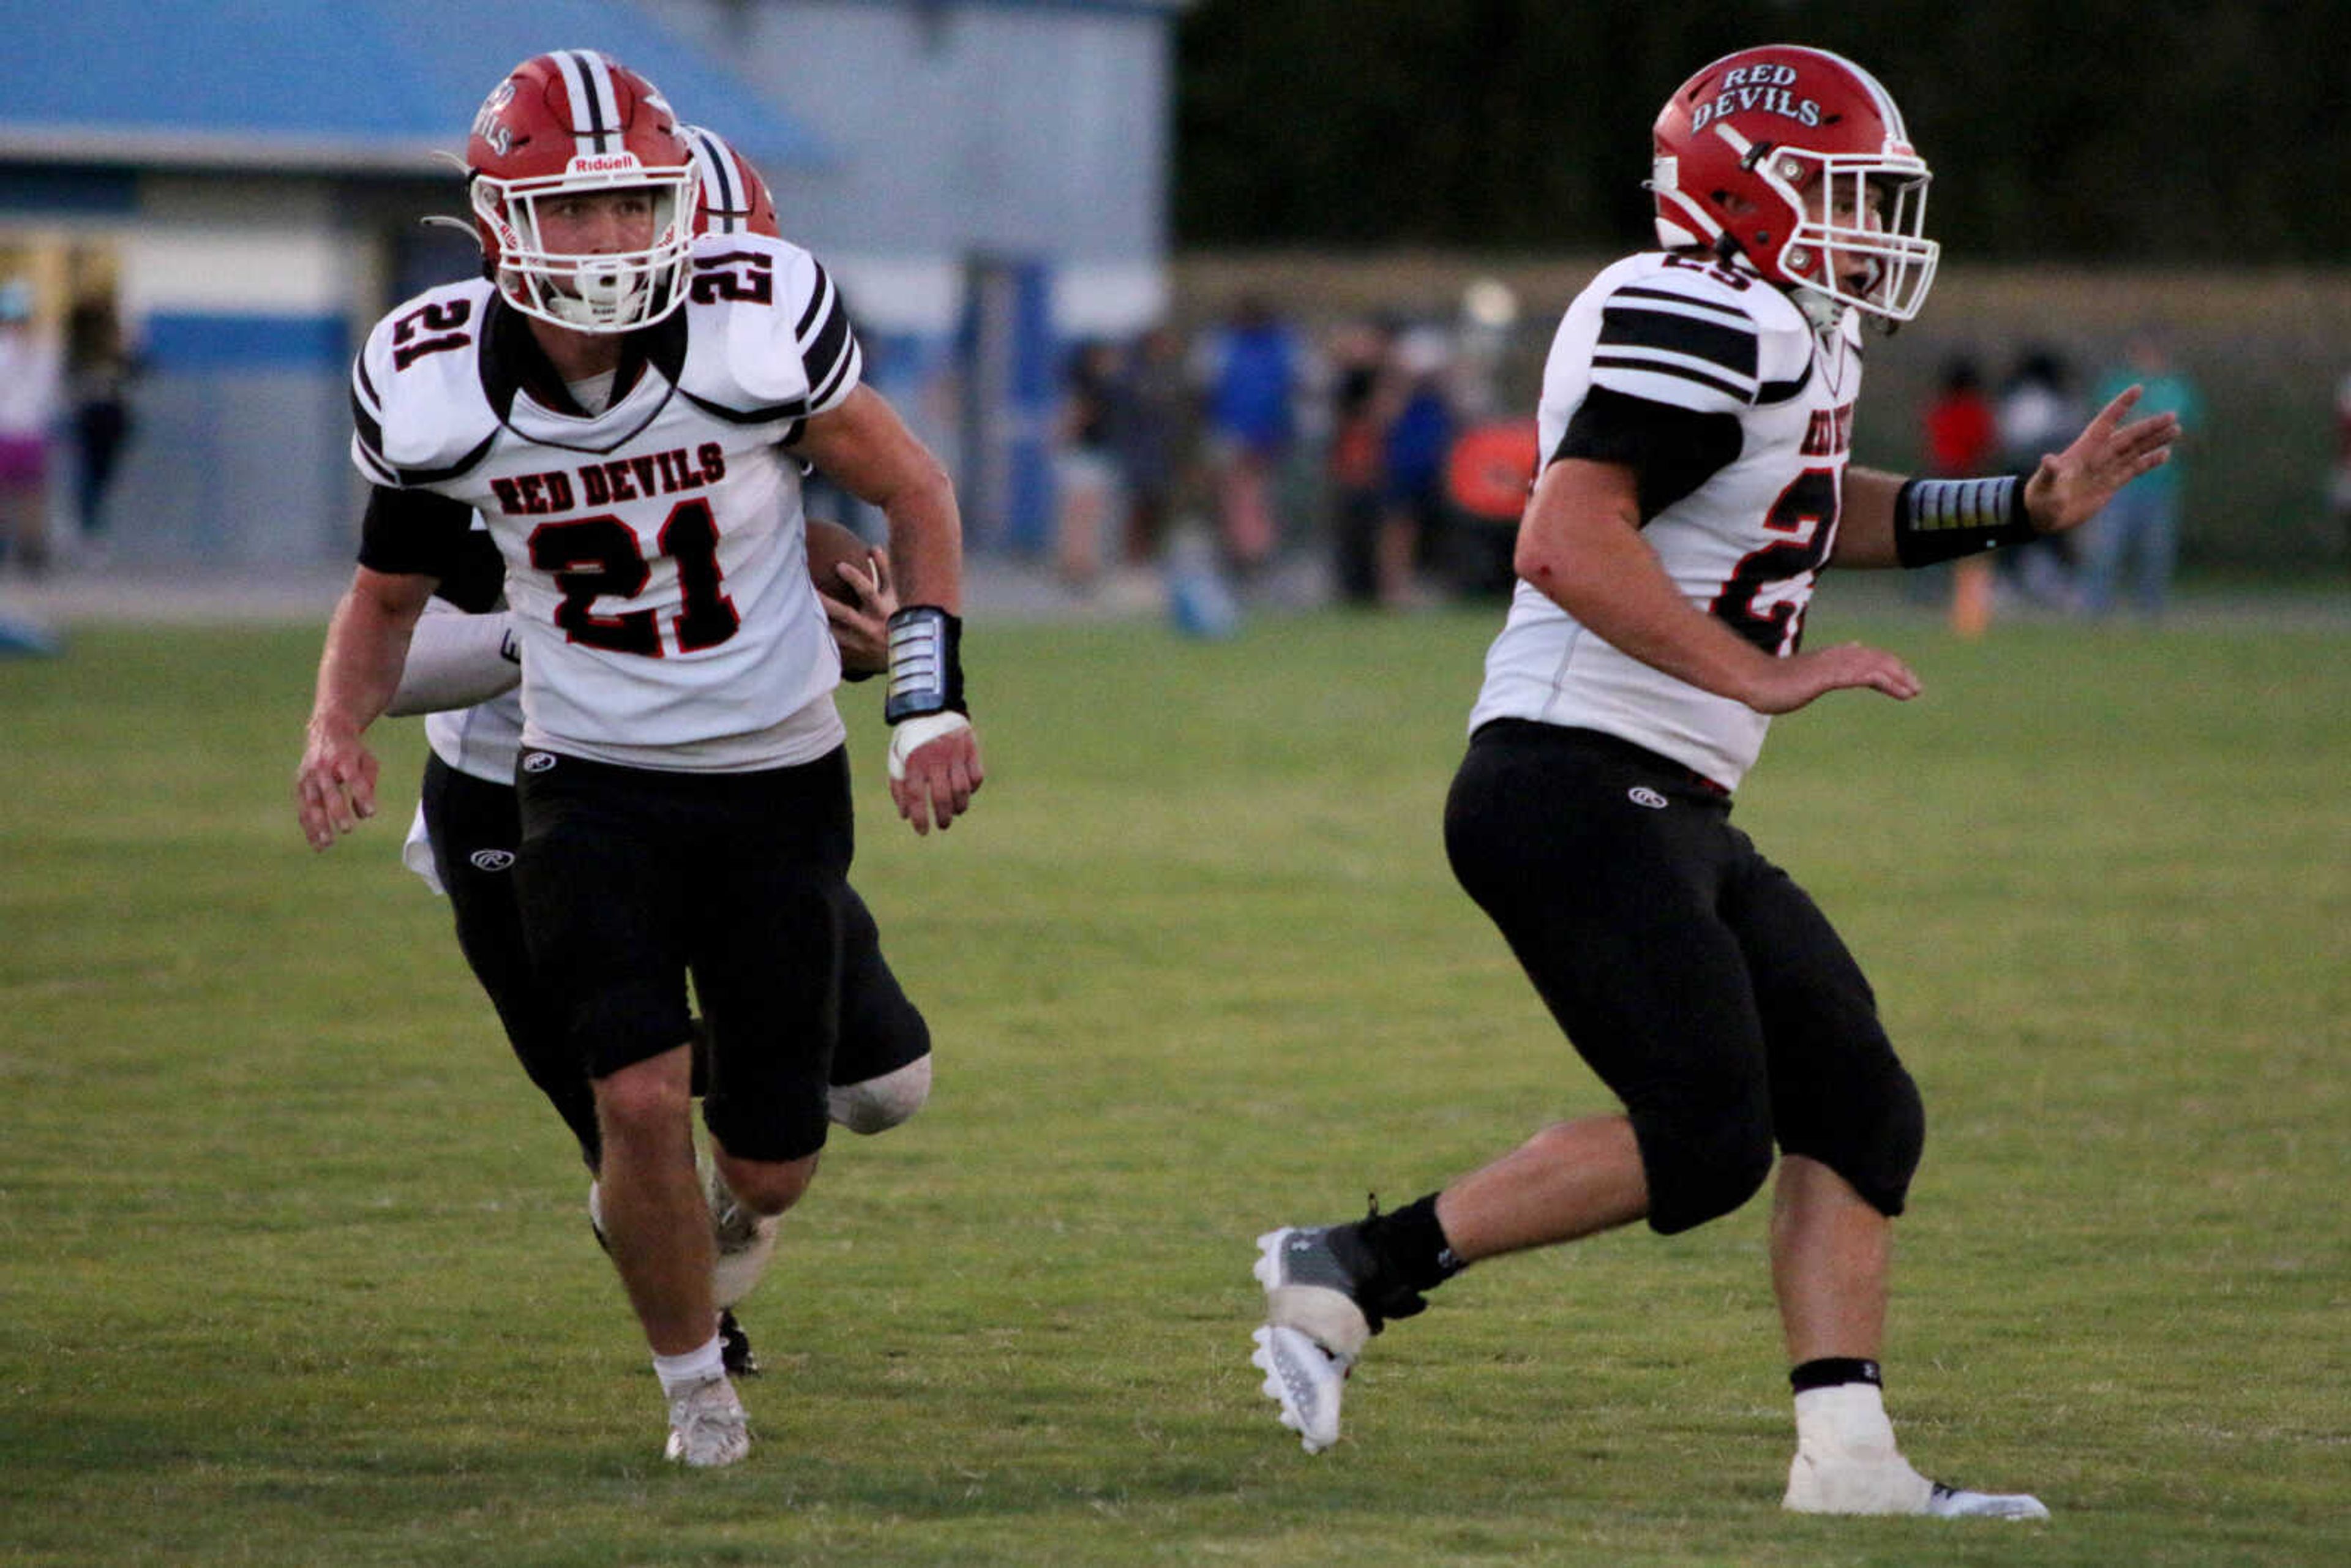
(1491, 467)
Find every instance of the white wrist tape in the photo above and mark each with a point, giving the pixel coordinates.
(911, 735)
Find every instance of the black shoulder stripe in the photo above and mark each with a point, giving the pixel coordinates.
(1630, 327)
(1729, 313)
(796, 409)
(820, 298)
(1663, 368)
(824, 358)
(1781, 392)
(362, 385)
(369, 428)
(843, 369)
(463, 465)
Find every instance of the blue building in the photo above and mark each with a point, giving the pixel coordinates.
(243, 183)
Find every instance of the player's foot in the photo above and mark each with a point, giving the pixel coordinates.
(734, 1348)
(744, 1240)
(1885, 1483)
(1320, 1312)
(707, 1426)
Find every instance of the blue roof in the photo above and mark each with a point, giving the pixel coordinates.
(292, 84)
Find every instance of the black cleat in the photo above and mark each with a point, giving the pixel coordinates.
(734, 1348)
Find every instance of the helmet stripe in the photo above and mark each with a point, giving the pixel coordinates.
(727, 211)
(595, 104)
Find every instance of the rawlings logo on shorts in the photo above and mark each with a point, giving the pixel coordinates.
(491, 860)
(1642, 795)
(537, 761)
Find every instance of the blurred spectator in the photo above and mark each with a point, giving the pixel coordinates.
(2038, 416)
(1356, 466)
(1419, 437)
(98, 371)
(1962, 440)
(1085, 465)
(29, 393)
(1154, 430)
(1251, 366)
(2138, 531)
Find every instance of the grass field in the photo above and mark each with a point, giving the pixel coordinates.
(293, 1267)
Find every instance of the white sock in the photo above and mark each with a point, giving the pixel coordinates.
(1846, 1418)
(678, 1372)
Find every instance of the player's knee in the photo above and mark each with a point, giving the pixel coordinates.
(767, 1187)
(1702, 1166)
(1872, 1137)
(643, 1099)
(879, 1103)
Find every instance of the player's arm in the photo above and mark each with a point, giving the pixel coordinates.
(1888, 520)
(409, 542)
(1580, 544)
(359, 669)
(863, 445)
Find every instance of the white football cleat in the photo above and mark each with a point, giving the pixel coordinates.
(1306, 1381)
(707, 1426)
(1846, 1462)
(745, 1243)
(1314, 1329)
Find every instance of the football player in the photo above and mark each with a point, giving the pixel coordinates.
(627, 407)
(1697, 418)
(461, 672)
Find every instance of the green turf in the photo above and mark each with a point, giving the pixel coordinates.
(293, 1268)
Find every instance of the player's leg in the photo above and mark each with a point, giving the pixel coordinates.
(1605, 900)
(881, 1063)
(1851, 1127)
(477, 829)
(766, 935)
(604, 890)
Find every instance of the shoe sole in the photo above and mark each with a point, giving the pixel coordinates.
(1301, 1376)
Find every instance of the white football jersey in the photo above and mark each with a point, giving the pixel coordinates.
(1742, 511)
(655, 553)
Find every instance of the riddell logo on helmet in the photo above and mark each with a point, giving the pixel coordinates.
(1750, 88)
(604, 163)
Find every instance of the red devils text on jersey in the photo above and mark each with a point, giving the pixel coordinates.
(1736, 416)
(655, 550)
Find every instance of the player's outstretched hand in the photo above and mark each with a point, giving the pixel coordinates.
(334, 787)
(934, 768)
(862, 626)
(2069, 487)
(1792, 682)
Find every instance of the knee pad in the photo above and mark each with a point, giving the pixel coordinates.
(879, 1103)
(1701, 1161)
(1871, 1132)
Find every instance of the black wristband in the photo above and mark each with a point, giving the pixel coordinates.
(1943, 519)
(926, 664)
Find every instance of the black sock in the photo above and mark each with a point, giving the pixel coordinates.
(1829, 1371)
(1410, 1245)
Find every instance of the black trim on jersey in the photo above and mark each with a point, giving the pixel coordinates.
(476, 579)
(818, 296)
(1719, 343)
(415, 533)
(1671, 450)
(510, 362)
(1687, 372)
(1781, 392)
(795, 409)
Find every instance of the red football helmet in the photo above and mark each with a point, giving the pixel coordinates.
(1785, 153)
(570, 123)
(730, 196)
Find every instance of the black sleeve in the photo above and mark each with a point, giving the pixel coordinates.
(413, 532)
(1671, 451)
(478, 581)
